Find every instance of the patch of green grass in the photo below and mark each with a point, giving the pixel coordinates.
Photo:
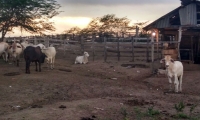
(124, 113)
(139, 114)
(179, 107)
(181, 116)
(151, 112)
(192, 108)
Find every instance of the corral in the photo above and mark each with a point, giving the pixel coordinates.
(99, 90)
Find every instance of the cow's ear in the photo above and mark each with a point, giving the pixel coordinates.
(172, 60)
(162, 61)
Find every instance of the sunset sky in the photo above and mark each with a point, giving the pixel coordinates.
(80, 12)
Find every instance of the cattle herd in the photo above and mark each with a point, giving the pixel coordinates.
(33, 53)
(39, 53)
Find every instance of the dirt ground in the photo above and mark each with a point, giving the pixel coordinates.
(112, 90)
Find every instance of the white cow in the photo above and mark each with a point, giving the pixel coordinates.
(50, 52)
(15, 50)
(4, 50)
(26, 44)
(173, 69)
(82, 59)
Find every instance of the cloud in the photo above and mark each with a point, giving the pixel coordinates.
(129, 8)
(115, 2)
(61, 24)
(65, 23)
(137, 12)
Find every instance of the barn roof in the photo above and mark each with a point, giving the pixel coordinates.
(188, 14)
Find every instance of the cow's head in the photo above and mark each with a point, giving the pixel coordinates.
(15, 46)
(86, 54)
(167, 60)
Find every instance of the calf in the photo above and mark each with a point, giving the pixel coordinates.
(173, 69)
(50, 52)
(33, 54)
(82, 59)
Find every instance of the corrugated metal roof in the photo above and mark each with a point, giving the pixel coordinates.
(163, 21)
(187, 15)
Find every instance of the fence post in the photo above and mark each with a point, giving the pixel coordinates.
(46, 40)
(82, 44)
(161, 46)
(179, 41)
(152, 53)
(152, 49)
(118, 52)
(93, 38)
(64, 46)
(61, 40)
(137, 31)
(192, 55)
(147, 49)
(35, 40)
(132, 40)
(105, 49)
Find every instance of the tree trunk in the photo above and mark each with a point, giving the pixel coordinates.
(3, 35)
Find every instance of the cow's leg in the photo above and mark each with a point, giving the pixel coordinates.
(36, 69)
(39, 67)
(53, 60)
(17, 61)
(176, 83)
(5, 56)
(51, 63)
(28, 67)
(8, 58)
(180, 83)
(13, 59)
(48, 63)
(170, 83)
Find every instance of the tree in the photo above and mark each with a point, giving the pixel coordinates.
(140, 25)
(29, 15)
(108, 25)
(93, 27)
(73, 30)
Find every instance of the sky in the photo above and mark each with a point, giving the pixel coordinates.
(80, 12)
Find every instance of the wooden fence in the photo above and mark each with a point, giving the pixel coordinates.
(137, 49)
(133, 47)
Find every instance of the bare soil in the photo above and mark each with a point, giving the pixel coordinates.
(112, 90)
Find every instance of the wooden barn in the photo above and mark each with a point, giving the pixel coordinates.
(183, 26)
